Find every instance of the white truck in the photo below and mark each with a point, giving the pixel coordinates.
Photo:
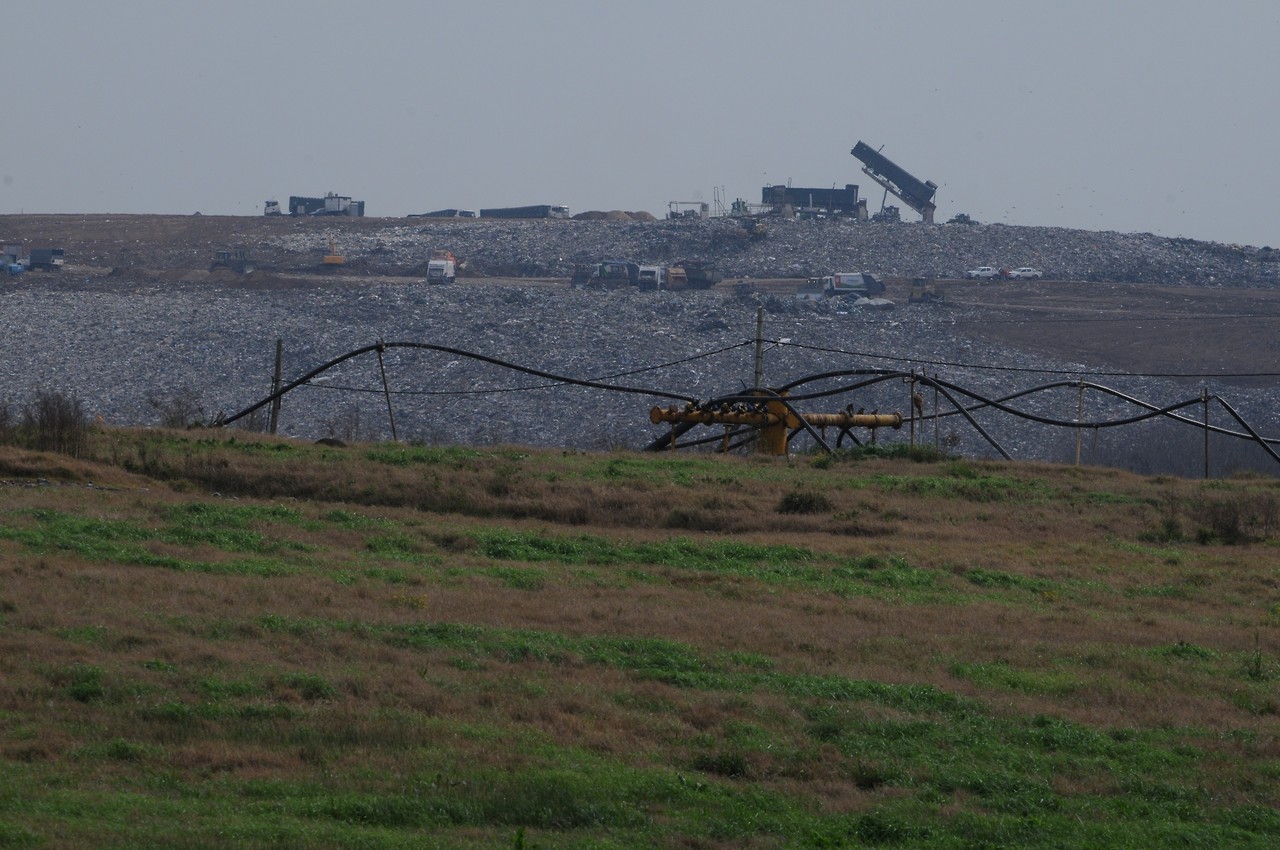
(652, 277)
(860, 284)
(442, 267)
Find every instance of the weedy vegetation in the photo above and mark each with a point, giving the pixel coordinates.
(213, 639)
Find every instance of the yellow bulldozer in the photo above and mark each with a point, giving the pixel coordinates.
(925, 291)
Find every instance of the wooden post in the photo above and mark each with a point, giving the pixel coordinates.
(937, 436)
(1204, 399)
(1079, 419)
(386, 390)
(911, 405)
(759, 347)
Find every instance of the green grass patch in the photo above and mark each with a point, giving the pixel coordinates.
(1187, 652)
(89, 635)
(518, 578)
(975, 488)
(1002, 676)
(353, 521)
(122, 542)
(455, 457)
(999, 579)
(723, 555)
(1161, 591)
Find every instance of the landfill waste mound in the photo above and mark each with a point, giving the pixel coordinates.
(137, 319)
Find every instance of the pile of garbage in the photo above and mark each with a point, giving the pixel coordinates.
(789, 249)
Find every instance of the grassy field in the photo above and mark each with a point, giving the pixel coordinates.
(213, 639)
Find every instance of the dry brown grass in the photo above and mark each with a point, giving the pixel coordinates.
(1045, 602)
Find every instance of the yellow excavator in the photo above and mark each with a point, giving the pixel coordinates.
(333, 258)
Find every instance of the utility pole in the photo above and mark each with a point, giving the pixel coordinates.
(759, 348)
(1204, 398)
(1079, 419)
(911, 405)
(386, 389)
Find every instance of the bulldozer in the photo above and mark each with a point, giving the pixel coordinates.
(333, 258)
(237, 260)
(925, 291)
(751, 227)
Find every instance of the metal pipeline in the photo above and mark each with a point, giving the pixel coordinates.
(658, 415)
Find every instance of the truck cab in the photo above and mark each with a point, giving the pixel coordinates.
(861, 284)
(442, 267)
(652, 277)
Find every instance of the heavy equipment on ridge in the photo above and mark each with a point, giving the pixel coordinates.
(913, 192)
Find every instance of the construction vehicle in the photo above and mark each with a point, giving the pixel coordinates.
(913, 192)
(815, 202)
(751, 227)
(610, 273)
(702, 275)
(857, 284)
(333, 258)
(925, 291)
(451, 212)
(531, 211)
(688, 211)
(677, 279)
(442, 267)
(14, 262)
(652, 277)
(11, 260)
(331, 204)
(49, 259)
(236, 260)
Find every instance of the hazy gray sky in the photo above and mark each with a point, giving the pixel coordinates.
(1149, 115)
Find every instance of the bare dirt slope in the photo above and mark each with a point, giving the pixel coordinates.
(1139, 328)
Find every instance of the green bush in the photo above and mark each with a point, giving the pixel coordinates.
(797, 502)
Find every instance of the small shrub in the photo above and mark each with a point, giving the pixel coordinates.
(310, 686)
(1222, 520)
(54, 422)
(85, 683)
(180, 409)
(692, 520)
(348, 425)
(732, 765)
(1188, 652)
(1170, 531)
(797, 502)
(8, 426)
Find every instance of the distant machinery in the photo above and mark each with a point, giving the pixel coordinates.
(904, 186)
(331, 204)
(530, 211)
(698, 210)
(813, 202)
(333, 258)
(235, 259)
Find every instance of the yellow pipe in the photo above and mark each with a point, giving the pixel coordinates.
(777, 415)
(854, 420)
(725, 417)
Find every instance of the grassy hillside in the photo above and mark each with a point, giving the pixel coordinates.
(211, 639)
